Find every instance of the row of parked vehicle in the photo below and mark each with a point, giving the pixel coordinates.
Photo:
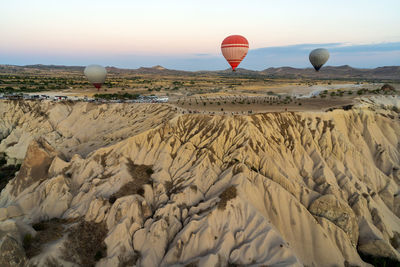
(140, 99)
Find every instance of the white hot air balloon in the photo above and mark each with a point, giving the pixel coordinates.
(319, 57)
(96, 74)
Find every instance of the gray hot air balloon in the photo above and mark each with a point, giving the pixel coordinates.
(96, 74)
(319, 57)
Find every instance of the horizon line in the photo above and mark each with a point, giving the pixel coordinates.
(164, 68)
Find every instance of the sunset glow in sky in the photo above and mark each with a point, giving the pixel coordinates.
(107, 32)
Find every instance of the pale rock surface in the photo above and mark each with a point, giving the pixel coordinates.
(310, 186)
(74, 128)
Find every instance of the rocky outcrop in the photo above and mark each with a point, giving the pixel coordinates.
(338, 212)
(276, 189)
(35, 167)
(22, 191)
(74, 128)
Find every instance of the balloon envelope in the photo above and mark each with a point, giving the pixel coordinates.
(318, 57)
(234, 48)
(96, 74)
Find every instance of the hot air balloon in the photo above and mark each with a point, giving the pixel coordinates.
(234, 48)
(96, 74)
(319, 57)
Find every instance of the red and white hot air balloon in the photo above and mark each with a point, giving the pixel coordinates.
(234, 48)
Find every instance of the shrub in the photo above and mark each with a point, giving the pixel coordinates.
(387, 87)
(98, 255)
(7, 172)
(228, 194)
(394, 240)
(112, 199)
(40, 226)
(27, 242)
(378, 261)
(168, 186)
(85, 243)
(194, 188)
(149, 171)
(46, 231)
(129, 260)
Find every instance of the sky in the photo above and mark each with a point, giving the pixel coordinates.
(186, 34)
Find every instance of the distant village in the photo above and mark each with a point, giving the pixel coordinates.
(57, 98)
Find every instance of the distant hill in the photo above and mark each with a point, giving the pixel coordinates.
(160, 70)
(55, 67)
(329, 72)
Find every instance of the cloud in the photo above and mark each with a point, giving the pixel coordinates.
(356, 55)
(382, 47)
(336, 47)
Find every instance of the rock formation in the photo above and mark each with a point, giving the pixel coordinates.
(275, 189)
